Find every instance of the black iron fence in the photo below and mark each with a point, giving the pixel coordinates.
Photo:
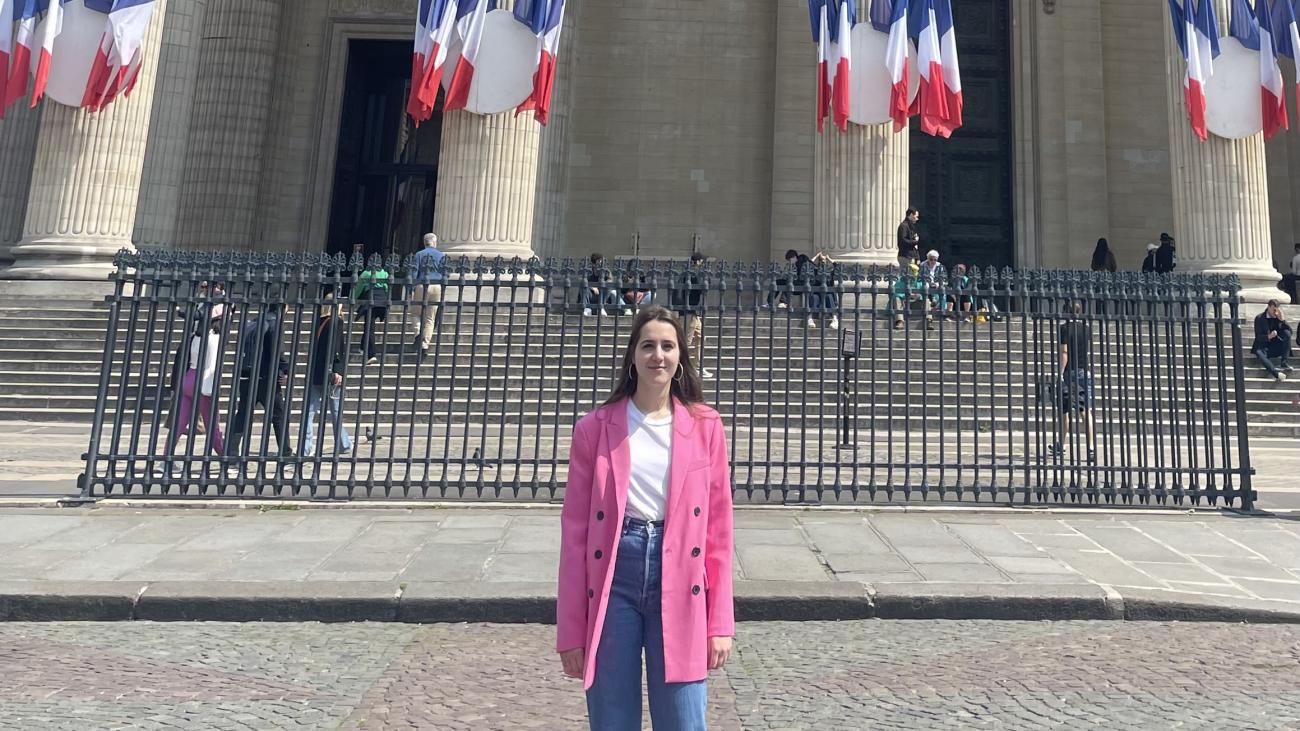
(282, 376)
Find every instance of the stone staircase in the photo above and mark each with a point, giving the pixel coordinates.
(491, 364)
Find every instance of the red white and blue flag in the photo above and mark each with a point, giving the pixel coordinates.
(23, 40)
(121, 50)
(832, 24)
(951, 68)
(1286, 32)
(1272, 95)
(6, 49)
(1197, 31)
(47, 30)
(470, 17)
(897, 61)
(433, 29)
(931, 102)
(546, 19)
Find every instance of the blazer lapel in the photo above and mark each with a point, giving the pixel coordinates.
(682, 452)
(620, 455)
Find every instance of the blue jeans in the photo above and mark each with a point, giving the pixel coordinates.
(315, 401)
(607, 297)
(633, 622)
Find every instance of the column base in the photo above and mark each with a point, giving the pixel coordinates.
(1258, 281)
(868, 258)
(63, 259)
(485, 250)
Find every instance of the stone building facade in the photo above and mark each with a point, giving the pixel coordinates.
(678, 125)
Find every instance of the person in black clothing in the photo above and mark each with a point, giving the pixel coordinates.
(1166, 260)
(1076, 385)
(1273, 341)
(1149, 263)
(776, 296)
(598, 293)
(1103, 259)
(263, 373)
(688, 300)
(325, 380)
(909, 241)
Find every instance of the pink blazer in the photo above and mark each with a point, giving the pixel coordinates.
(697, 540)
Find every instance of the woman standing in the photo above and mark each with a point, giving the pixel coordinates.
(645, 557)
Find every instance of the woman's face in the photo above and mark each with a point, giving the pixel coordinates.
(657, 354)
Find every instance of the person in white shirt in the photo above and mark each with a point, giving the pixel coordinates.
(200, 376)
(1292, 283)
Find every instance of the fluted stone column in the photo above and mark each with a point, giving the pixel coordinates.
(85, 185)
(1220, 186)
(17, 151)
(487, 184)
(220, 190)
(169, 134)
(861, 183)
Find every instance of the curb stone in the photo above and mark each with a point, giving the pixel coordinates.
(534, 602)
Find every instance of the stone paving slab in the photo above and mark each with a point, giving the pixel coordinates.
(499, 564)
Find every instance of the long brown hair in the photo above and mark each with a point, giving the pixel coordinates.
(686, 389)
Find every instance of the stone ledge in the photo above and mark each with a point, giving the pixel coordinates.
(69, 601)
(918, 600)
(255, 601)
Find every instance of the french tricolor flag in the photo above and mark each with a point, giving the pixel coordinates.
(46, 32)
(1272, 96)
(546, 19)
(117, 63)
(1202, 49)
(832, 23)
(931, 102)
(23, 40)
(470, 16)
(1286, 34)
(433, 29)
(896, 60)
(951, 69)
(6, 49)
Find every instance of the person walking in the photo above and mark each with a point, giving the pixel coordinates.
(199, 383)
(1273, 341)
(646, 540)
(1103, 259)
(689, 302)
(1076, 384)
(909, 241)
(428, 291)
(1149, 263)
(1166, 255)
(263, 374)
(325, 380)
(372, 296)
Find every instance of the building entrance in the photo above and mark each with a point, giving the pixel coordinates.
(386, 177)
(963, 185)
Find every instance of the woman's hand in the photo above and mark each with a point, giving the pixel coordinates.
(719, 652)
(574, 661)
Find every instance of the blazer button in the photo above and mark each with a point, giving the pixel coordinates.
(590, 593)
(697, 512)
(695, 552)
(600, 515)
(599, 553)
(695, 589)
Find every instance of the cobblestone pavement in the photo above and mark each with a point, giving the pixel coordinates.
(851, 675)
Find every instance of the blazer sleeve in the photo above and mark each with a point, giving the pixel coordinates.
(571, 594)
(721, 539)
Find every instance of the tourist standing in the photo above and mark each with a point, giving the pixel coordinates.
(1103, 259)
(1149, 263)
(263, 374)
(199, 382)
(688, 299)
(1076, 385)
(1166, 255)
(325, 380)
(909, 241)
(646, 540)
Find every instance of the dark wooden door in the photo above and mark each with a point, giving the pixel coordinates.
(962, 185)
(386, 175)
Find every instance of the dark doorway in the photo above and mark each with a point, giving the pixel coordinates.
(386, 177)
(962, 185)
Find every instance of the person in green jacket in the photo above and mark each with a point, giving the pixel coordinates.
(372, 296)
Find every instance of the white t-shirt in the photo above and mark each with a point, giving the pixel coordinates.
(1295, 265)
(650, 443)
(209, 360)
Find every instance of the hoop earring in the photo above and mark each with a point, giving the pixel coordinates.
(631, 374)
(681, 373)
